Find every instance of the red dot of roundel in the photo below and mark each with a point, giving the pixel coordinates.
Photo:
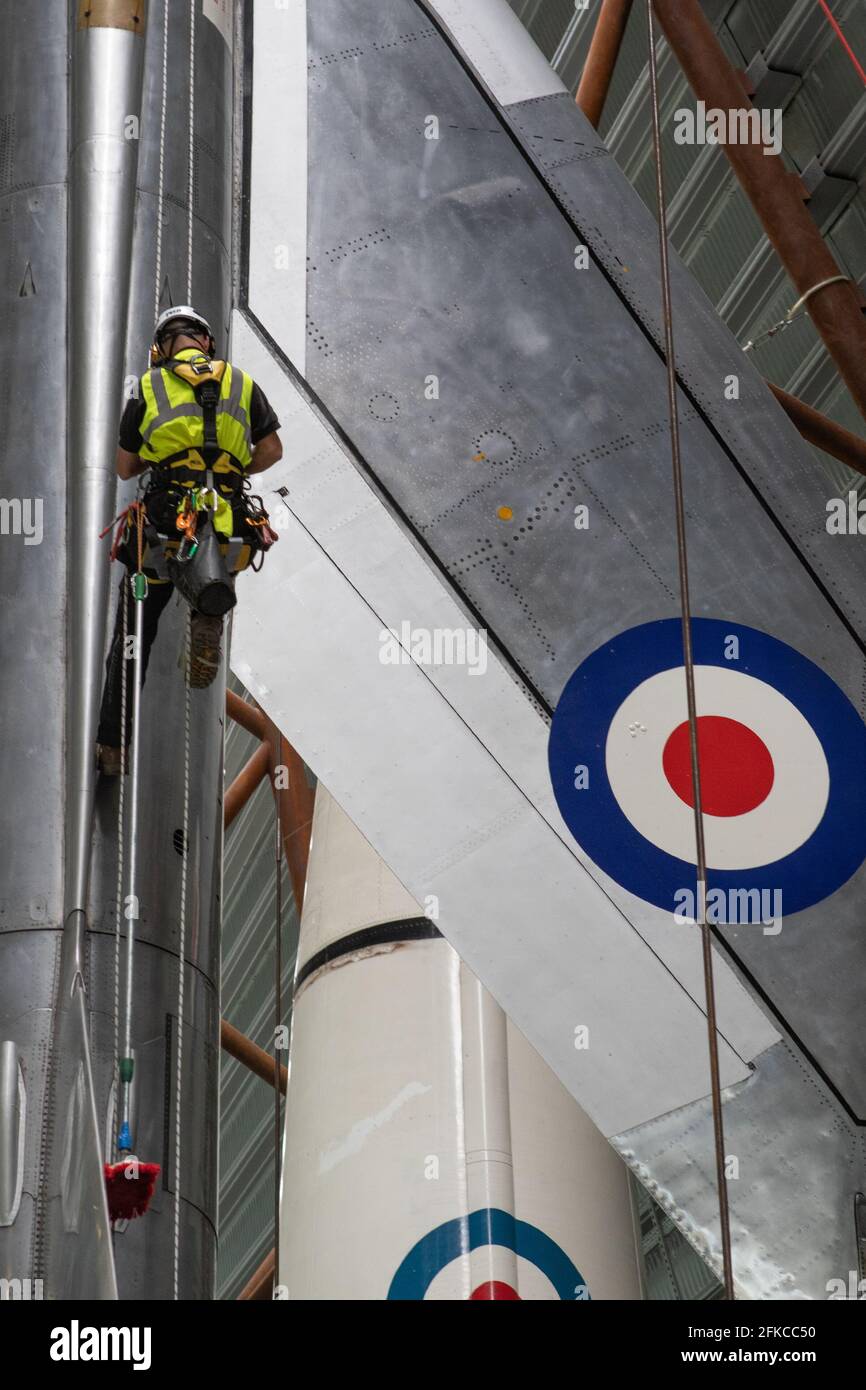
(737, 770)
(495, 1289)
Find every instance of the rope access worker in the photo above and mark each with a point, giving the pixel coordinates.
(199, 446)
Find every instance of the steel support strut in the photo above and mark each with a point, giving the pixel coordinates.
(823, 432)
(254, 1058)
(601, 59)
(776, 195)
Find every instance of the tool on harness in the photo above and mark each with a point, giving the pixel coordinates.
(256, 516)
(187, 522)
(202, 576)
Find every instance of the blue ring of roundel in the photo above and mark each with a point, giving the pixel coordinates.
(593, 694)
(488, 1226)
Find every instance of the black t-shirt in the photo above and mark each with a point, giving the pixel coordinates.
(263, 420)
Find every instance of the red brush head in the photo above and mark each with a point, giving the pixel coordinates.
(130, 1186)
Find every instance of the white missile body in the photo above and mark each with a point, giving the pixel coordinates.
(429, 1151)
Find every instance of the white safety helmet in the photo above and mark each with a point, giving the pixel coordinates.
(184, 316)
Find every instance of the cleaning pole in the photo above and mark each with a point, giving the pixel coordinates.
(131, 1183)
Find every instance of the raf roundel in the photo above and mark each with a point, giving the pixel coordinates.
(435, 1267)
(782, 761)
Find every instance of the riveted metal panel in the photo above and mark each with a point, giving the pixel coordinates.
(551, 392)
(455, 264)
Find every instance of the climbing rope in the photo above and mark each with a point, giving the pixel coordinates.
(181, 953)
(134, 515)
(688, 661)
(191, 152)
(160, 197)
(278, 1008)
(121, 802)
(186, 722)
(138, 585)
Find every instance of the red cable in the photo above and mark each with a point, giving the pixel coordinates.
(845, 44)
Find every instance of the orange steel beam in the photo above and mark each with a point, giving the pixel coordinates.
(601, 59)
(245, 784)
(776, 195)
(249, 717)
(260, 1285)
(823, 432)
(244, 1050)
(294, 807)
(294, 801)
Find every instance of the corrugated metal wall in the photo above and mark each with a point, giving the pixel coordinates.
(246, 1208)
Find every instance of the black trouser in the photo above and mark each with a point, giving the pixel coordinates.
(157, 598)
(162, 512)
(161, 505)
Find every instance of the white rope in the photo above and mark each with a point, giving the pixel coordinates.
(121, 829)
(191, 190)
(121, 809)
(181, 953)
(161, 189)
(178, 1087)
(121, 838)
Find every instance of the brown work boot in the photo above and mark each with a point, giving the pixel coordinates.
(110, 761)
(204, 650)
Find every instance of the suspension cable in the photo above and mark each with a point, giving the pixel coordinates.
(795, 312)
(688, 660)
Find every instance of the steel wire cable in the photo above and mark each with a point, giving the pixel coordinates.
(689, 664)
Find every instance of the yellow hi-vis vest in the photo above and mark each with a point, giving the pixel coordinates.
(172, 428)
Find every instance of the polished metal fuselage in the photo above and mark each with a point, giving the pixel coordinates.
(92, 181)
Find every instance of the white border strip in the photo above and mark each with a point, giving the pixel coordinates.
(278, 174)
(499, 48)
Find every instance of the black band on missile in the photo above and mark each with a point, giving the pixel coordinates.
(386, 934)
